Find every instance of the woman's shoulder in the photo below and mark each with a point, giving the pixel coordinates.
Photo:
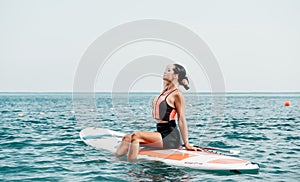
(178, 93)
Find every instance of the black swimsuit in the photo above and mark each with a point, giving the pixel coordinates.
(169, 132)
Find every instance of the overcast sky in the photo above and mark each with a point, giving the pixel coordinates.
(256, 43)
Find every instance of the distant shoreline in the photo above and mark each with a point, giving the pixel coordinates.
(187, 92)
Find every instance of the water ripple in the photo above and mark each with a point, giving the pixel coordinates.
(44, 145)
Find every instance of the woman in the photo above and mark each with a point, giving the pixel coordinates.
(165, 107)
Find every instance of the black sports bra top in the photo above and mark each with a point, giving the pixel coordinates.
(162, 110)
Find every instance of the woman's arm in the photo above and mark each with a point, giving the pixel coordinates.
(179, 105)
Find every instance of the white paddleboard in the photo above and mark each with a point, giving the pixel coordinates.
(105, 139)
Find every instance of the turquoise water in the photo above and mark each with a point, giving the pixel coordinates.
(44, 143)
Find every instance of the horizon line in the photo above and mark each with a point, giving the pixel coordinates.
(206, 92)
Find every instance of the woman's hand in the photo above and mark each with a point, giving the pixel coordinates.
(190, 147)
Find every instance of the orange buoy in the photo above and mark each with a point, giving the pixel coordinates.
(287, 103)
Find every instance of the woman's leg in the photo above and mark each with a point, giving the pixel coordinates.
(152, 139)
(124, 146)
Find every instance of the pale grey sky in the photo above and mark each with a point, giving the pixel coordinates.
(256, 42)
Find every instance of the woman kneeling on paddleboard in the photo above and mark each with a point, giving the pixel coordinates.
(165, 107)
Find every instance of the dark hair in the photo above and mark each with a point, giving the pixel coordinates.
(181, 75)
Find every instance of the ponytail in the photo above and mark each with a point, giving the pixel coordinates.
(182, 78)
(185, 83)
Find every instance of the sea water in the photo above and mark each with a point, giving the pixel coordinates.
(40, 141)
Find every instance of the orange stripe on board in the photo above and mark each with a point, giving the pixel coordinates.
(227, 161)
(171, 155)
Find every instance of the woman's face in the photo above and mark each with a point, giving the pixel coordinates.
(169, 73)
